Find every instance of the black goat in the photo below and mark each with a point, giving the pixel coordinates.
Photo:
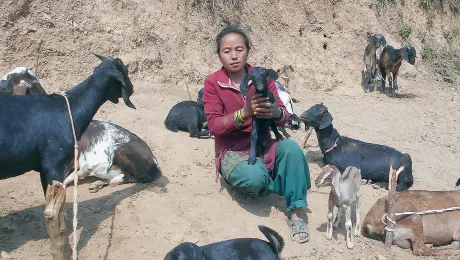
(188, 116)
(35, 130)
(390, 61)
(260, 126)
(238, 248)
(373, 160)
(371, 57)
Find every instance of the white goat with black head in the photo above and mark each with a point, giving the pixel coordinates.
(345, 191)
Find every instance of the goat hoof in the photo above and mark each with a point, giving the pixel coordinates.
(96, 186)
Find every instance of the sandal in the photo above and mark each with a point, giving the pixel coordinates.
(298, 226)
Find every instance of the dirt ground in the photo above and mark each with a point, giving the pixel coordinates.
(169, 45)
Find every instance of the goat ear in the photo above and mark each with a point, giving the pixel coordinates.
(272, 74)
(118, 76)
(244, 87)
(101, 57)
(292, 69)
(405, 54)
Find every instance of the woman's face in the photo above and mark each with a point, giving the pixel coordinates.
(233, 52)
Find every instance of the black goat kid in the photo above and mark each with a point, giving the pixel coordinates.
(260, 126)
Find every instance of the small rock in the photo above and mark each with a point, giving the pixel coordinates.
(380, 257)
(5, 255)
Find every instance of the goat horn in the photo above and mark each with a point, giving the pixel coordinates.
(101, 57)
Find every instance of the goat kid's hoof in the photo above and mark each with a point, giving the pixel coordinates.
(380, 185)
(96, 186)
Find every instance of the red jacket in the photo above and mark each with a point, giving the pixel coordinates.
(221, 99)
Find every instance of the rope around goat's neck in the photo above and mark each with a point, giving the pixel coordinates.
(75, 180)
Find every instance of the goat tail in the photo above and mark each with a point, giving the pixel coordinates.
(276, 240)
(458, 182)
(170, 126)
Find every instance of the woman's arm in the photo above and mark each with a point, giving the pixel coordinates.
(218, 123)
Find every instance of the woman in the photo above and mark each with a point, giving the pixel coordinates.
(284, 168)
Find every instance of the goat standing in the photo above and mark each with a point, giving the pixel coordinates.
(36, 134)
(389, 64)
(371, 58)
(345, 191)
(260, 126)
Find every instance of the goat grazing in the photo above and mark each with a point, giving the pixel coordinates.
(188, 116)
(107, 151)
(260, 126)
(417, 230)
(371, 58)
(238, 248)
(36, 134)
(345, 191)
(373, 160)
(389, 64)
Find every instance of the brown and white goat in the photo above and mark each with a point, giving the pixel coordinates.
(389, 64)
(345, 191)
(418, 230)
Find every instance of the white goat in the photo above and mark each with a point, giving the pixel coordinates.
(345, 191)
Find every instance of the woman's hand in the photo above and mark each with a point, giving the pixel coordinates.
(260, 107)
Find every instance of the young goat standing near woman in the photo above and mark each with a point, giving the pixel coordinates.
(283, 168)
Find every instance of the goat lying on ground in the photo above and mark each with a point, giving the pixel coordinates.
(107, 151)
(36, 134)
(345, 191)
(260, 126)
(20, 81)
(111, 152)
(418, 230)
(389, 64)
(188, 116)
(373, 160)
(239, 248)
(371, 58)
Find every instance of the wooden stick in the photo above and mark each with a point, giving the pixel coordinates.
(307, 136)
(55, 221)
(391, 206)
(39, 45)
(188, 91)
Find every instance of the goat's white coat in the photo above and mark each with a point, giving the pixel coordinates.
(285, 97)
(97, 160)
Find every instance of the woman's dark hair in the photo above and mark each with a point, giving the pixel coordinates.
(232, 29)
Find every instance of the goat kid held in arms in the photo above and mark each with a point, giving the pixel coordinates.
(282, 168)
(33, 143)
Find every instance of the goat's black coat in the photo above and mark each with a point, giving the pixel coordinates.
(373, 160)
(260, 126)
(458, 182)
(188, 116)
(35, 130)
(390, 61)
(239, 248)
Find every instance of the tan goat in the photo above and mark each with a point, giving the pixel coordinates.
(419, 230)
(345, 190)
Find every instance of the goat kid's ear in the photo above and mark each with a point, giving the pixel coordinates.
(292, 69)
(272, 74)
(244, 87)
(405, 54)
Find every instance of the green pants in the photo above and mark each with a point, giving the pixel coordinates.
(291, 176)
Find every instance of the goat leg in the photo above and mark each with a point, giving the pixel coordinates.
(348, 225)
(275, 131)
(254, 142)
(55, 221)
(330, 216)
(384, 75)
(285, 133)
(358, 214)
(338, 218)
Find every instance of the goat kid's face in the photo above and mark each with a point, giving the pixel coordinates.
(258, 76)
(120, 76)
(378, 40)
(328, 176)
(409, 54)
(317, 117)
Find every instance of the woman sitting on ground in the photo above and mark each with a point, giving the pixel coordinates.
(283, 168)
